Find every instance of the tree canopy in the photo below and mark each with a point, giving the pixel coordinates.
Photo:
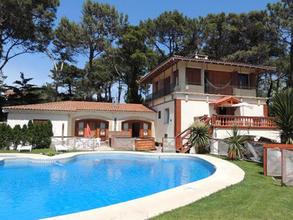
(25, 27)
(117, 54)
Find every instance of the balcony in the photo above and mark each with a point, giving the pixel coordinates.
(242, 122)
(230, 90)
(161, 93)
(219, 89)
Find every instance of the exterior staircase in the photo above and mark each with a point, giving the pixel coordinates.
(224, 122)
(182, 139)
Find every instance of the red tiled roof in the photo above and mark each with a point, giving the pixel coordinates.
(81, 106)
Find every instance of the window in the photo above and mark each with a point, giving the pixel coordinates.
(175, 78)
(193, 76)
(159, 115)
(145, 129)
(103, 125)
(125, 127)
(167, 85)
(115, 124)
(243, 81)
(156, 88)
(80, 128)
(102, 129)
(40, 121)
(167, 116)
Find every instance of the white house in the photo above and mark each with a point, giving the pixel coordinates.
(221, 93)
(71, 118)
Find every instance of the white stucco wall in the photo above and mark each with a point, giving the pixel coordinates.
(191, 109)
(57, 119)
(161, 127)
(252, 110)
(110, 117)
(68, 119)
(221, 133)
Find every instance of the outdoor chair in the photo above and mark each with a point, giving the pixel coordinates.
(21, 147)
(60, 148)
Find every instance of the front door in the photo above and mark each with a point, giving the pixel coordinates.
(135, 129)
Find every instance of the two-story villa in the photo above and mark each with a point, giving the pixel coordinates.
(224, 93)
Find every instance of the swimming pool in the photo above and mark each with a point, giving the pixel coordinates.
(38, 190)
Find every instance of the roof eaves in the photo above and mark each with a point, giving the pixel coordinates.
(157, 68)
(177, 58)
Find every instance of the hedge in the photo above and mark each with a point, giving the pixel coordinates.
(36, 134)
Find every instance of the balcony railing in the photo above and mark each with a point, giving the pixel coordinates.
(162, 92)
(227, 121)
(208, 89)
(225, 89)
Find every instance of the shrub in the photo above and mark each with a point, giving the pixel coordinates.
(42, 133)
(17, 135)
(24, 135)
(282, 108)
(5, 136)
(38, 135)
(30, 133)
(199, 136)
(236, 144)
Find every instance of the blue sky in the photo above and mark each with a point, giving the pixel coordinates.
(38, 65)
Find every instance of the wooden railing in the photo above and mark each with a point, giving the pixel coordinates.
(182, 141)
(227, 121)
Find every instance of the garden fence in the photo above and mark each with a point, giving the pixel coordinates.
(278, 161)
(287, 168)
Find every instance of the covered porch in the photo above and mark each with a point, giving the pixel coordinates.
(242, 122)
(231, 112)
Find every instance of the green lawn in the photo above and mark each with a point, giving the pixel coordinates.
(47, 151)
(257, 197)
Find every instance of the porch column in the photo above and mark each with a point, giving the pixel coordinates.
(177, 120)
(202, 76)
(181, 75)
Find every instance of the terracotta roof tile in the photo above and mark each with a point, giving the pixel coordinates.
(81, 106)
(226, 100)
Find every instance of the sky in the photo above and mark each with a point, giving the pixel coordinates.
(38, 65)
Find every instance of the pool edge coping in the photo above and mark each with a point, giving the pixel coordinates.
(226, 174)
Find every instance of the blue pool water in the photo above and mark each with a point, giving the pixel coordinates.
(33, 190)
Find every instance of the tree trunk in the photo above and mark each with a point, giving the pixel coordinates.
(119, 91)
(270, 89)
(290, 81)
(110, 92)
(56, 92)
(88, 83)
(70, 89)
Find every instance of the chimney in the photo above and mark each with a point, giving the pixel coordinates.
(201, 56)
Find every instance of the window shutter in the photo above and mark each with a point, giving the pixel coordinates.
(193, 76)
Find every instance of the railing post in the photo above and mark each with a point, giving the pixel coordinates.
(265, 155)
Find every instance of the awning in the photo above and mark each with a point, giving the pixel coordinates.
(227, 101)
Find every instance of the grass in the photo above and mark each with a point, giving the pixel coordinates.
(257, 197)
(46, 151)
